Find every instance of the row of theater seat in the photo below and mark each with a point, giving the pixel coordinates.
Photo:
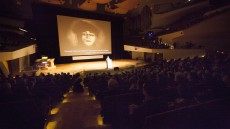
(212, 114)
(21, 110)
(196, 115)
(195, 102)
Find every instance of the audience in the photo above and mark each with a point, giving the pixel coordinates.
(179, 83)
(151, 104)
(165, 85)
(33, 96)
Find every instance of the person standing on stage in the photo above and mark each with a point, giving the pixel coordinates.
(108, 62)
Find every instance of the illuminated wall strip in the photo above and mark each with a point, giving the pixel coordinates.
(4, 67)
(87, 57)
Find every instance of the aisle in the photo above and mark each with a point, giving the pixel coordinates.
(76, 111)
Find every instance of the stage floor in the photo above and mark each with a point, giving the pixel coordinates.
(73, 68)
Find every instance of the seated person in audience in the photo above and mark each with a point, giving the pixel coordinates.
(78, 87)
(5, 90)
(182, 89)
(151, 104)
(113, 83)
(133, 83)
(20, 88)
(226, 80)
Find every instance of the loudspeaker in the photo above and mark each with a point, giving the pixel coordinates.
(116, 68)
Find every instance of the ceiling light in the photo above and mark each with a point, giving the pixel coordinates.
(23, 30)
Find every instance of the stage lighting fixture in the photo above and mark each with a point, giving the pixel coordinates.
(150, 34)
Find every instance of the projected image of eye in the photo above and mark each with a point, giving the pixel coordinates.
(88, 38)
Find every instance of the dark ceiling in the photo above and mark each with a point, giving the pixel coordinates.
(102, 6)
(23, 9)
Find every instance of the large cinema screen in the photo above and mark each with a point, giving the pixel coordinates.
(79, 36)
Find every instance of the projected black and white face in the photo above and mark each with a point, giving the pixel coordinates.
(88, 38)
(79, 36)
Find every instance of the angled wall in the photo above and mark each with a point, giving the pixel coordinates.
(213, 33)
(161, 20)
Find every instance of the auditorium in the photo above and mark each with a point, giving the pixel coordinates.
(114, 64)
